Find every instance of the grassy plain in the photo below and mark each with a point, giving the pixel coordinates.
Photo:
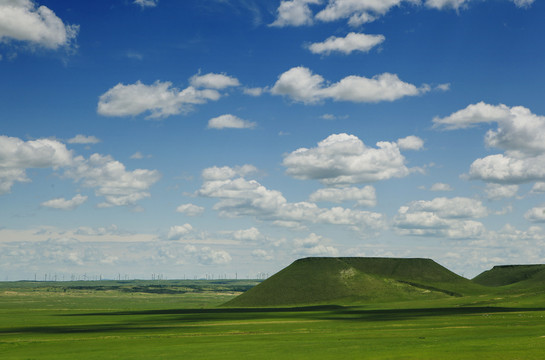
(183, 320)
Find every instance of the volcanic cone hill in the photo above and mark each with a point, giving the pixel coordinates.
(356, 279)
(517, 276)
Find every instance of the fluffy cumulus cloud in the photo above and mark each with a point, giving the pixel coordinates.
(82, 139)
(238, 196)
(498, 192)
(294, 13)
(229, 121)
(346, 45)
(108, 176)
(159, 99)
(26, 21)
(112, 180)
(17, 155)
(442, 217)
(251, 234)
(300, 84)
(314, 245)
(226, 172)
(213, 81)
(63, 204)
(519, 132)
(365, 196)
(356, 11)
(345, 159)
(410, 142)
(536, 214)
(190, 209)
(178, 231)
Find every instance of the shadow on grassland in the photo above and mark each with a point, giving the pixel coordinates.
(194, 319)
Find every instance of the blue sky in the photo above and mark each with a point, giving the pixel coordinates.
(231, 137)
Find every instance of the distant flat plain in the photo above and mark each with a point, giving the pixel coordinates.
(184, 320)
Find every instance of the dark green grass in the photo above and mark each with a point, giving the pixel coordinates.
(48, 323)
(522, 275)
(357, 280)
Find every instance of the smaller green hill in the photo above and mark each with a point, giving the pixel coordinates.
(355, 279)
(514, 275)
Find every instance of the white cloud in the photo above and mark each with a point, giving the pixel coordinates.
(159, 99)
(226, 172)
(108, 176)
(410, 142)
(357, 11)
(314, 245)
(346, 45)
(63, 204)
(81, 234)
(519, 132)
(444, 4)
(300, 84)
(539, 187)
(213, 81)
(523, 3)
(451, 208)
(190, 209)
(229, 121)
(178, 231)
(443, 87)
(240, 197)
(505, 169)
(17, 155)
(146, 3)
(82, 139)
(536, 214)
(257, 91)
(441, 187)
(111, 180)
(139, 156)
(24, 20)
(345, 159)
(251, 234)
(518, 129)
(365, 196)
(261, 254)
(498, 192)
(442, 217)
(208, 256)
(294, 13)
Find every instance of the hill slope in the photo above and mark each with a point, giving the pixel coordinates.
(355, 279)
(515, 275)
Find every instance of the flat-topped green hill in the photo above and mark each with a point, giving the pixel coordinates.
(322, 280)
(522, 276)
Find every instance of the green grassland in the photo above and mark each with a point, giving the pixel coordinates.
(186, 319)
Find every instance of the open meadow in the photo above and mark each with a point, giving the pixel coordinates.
(185, 320)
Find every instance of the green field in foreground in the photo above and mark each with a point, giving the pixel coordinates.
(177, 320)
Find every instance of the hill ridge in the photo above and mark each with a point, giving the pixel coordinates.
(525, 275)
(320, 280)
